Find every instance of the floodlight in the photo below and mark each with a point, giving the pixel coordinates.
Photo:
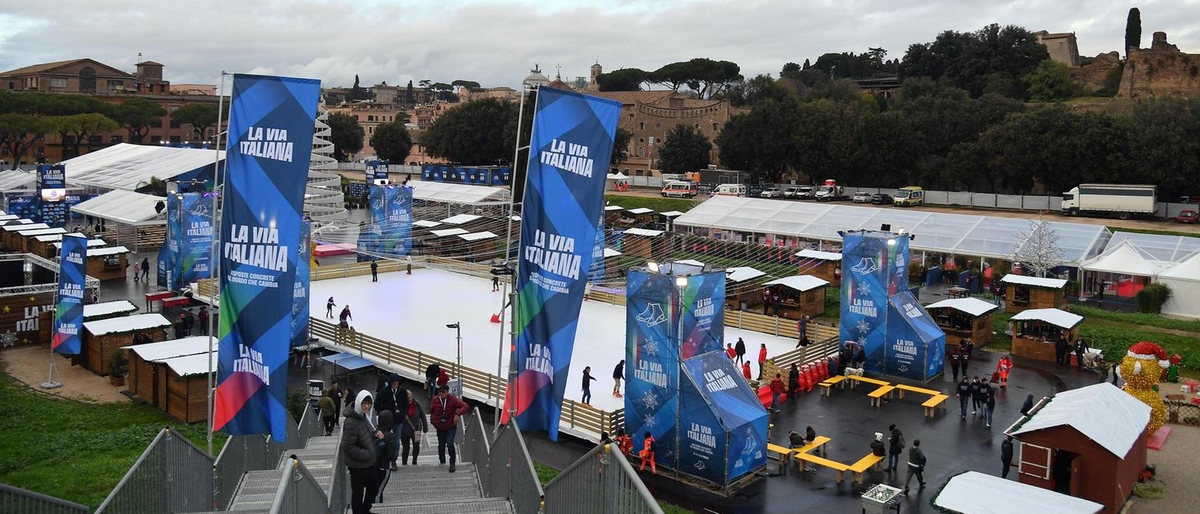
(681, 281)
(452, 325)
(886, 227)
(652, 265)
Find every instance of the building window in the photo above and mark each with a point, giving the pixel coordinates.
(697, 126)
(658, 125)
(116, 85)
(175, 140)
(162, 88)
(155, 138)
(57, 83)
(87, 79)
(716, 127)
(641, 125)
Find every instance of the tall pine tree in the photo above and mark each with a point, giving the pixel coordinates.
(1133, 30)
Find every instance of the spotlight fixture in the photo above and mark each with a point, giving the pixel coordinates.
(452, 325)
(652, 265)
(886, 227)
(912, 237)
(681, 281)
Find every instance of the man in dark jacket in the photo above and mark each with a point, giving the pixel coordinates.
(1060, 350)
(954, 362)
(739, 350)
(444, 411)
(916, 465)
(358, 452)
(386, 450)
(974, 387)
(895, 447)
(1006, 456)
(145, 269)
(982, 393)
(431, 376)
(965, 394)
(394, 399)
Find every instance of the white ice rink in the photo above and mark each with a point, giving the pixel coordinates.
(412, 311)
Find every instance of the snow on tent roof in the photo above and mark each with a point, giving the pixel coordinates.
(173, 348)
(126, 324)
(1125, 259)
(671, 214)
(42, 231)
(609, 252)
(613, 208)
(446, 192)
(50, 238)
(478, 236)
(126, 166)
(972, 306)
(448, 232)
(1022, 280)
(742, 273)
(817, 254)
(1187, 270)
(18, 227)
(108, 250)
(459, 219)
(426, 223)
(799, 282)
(617, 176)
(91, 243)
(640, 210)
(197, 364)
(125, 207)
(1160, 247)
(1101, 412)
(1056, 317)
(974, 492)
(107, 308)
(7, 217)
(691, 262)
(644, 232)
(935, 231)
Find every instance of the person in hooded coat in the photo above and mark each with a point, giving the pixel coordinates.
(358, 452)
(877, 448)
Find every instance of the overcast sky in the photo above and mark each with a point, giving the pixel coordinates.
(496, 42)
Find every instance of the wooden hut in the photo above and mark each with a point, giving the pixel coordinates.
(642, 216)
(645, 243)
(612, 264)
(49, 245)
(102, 338)
(441, 242)
(612, 213)
(1022, 292)
(146, 370)
(23, 242)
(979, 492)
(669, 219)
(108, 310)
(186, 385)
(964, 318)
(743, 287)
(108, 262)
(478, 246)
(12, 230)
(1035, 331)
(823, 265)
(27, 287)
(799, 295)
(1089, 443)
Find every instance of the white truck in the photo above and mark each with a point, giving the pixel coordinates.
(830, 192)
(1121, 200)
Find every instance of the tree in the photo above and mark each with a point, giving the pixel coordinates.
(137, 115)
(469, 85)
(392, 142)
(444, 91)
(76, 130)
(200, 116)
(18, 132)
(409, 98)
(345, 134)
(357, 92)
(761, 140)
(967, 60)
(685, 149)
(755, 90)
(1051, 81)
(624, 79)
(1133, 30)
(1038, 249)
(476, 132)
(620, 151)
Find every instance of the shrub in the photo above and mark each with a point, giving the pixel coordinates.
(1152, 297)
(118, 366)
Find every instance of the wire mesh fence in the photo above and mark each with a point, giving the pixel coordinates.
(298, 490)
(172, 475)
(600, 482)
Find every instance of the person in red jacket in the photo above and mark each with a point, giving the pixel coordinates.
(730, 351)
(647, 454)
(777, 388)
(444, 411)
(746, 370)
(624, 442)
(443, 378)
(762, 358)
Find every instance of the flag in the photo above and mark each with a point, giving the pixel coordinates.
(68, 312)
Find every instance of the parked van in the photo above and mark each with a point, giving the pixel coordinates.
(730, 190)
(679, 188)
(911, 195)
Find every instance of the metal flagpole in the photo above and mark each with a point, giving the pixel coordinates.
(214, 278)
(50, 383)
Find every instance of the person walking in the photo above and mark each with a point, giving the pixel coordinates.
(776, 391)
(1060, 350)
(766, 301)
(1080, 348)
(444, 410)
(963, 391)
(916, 465)
(975, 395)
(1002, 369)
(587, 385)
(394, 399)
(146, 270)
(981, 397)
(203, 319)
(954, 362)
(989, 404)
(336, 394)
(328, 411)
(385, 449)
(431, 376)
(624, 442)
(965, 349)
(802, 328)
(412, 430)
(618, 375)
(374, 270)
(329, 305)
(358, 451)
(647, 454)
(1006, 456)
(740, 350)
(137, 272)
(762, 359)
(895, 447)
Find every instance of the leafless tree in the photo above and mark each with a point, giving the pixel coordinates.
(1038, 249)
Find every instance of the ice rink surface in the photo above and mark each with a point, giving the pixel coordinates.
(412, 311)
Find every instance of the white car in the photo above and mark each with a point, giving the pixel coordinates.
(862, 197)
(770, 192)
(791, 192)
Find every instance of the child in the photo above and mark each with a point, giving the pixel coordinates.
(137, 271)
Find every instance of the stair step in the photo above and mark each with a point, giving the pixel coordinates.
(476, 506)
(257, 490)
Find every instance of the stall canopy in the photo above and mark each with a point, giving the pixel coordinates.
(916, 345)
(671, 214)
(1124, 259)
(645, 232)
(1022, 280)
(1101, 412)
(459, 219)
(724, 425)
(1160, 247)
(640, 210)
(609, 252)
(799, 282)
(972, 306)
(189, 365)
(125, 207)
(17, 181)
(446, 192)
(173, 348)
(96, 310)
(1056, 317)
(349, 361)
(978, 493)
(1184, 281)
(819, 255)
(959, 234)
(742, 273)
(126, 324)
(129, 167)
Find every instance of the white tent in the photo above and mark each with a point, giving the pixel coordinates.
(978, 493)
(126, 166)
(1184, 281)
(972, 306)
(125, 207)
(1125, 259)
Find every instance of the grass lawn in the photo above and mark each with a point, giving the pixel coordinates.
(655, 204)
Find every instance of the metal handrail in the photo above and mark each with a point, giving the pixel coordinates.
(339, 485)
(619, 490)
(475, 445)
(512, 474)
(171, 475)
(298, 490)
(15, 499)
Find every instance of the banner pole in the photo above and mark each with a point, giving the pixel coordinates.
(214, 277)
(50, 383)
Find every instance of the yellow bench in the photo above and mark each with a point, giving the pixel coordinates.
(855, 379)
(858, 468)
(915, 389)
(878, 394)
(784, 453)
(821, 461)
(828, 383)
(932, 404)
(817, 444)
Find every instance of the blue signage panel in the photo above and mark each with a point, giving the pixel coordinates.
(652, 361)
(874, 267)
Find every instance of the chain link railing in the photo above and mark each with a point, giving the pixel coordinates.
(172, 475)
(600, 482)
(15, 499)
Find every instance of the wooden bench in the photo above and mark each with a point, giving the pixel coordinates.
(931, 405)
(806, 458)
(859, 468)
(878, 394)
(784, 456)
(829, 383)
(855, 379)
(818, 444)
(915, 389)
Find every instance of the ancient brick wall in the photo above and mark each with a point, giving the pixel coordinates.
(1161, 70)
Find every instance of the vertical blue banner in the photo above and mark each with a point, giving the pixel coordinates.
(173, 245)
(195, 248)
(300, 296)
(596, 273)
(52, 194)
(270, 142)
(68, 313)
(568, 161)
(391, 210)
(874, 267)
(703, 314)
(652, 361)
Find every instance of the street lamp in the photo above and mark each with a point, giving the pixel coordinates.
(457, 326)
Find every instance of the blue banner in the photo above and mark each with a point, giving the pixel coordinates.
(173, 244)
(68, 312)
(874, 267)
(916, 345)
(270, 142)
(391, 232)
(568, 161)
(652, 361)
(703, 314)
(377, 170)
(596, 273)
(195, 238)
(164, 266)
(300, 291)
(476, 175)
(25, 207)
(724, 426)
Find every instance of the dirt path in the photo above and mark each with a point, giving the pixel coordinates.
(30, 365)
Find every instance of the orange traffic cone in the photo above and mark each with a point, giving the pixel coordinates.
(495, 318)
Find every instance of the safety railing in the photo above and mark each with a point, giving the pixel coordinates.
(339, 485)
(171, 475)
(600, 482)
(475, 445)
(511, 474)
(298, 490)
(243, 453)
(15, 499)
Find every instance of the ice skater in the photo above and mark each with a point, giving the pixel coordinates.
(329, 305)
(618, 376)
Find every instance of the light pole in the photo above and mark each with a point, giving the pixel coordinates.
(457, 326)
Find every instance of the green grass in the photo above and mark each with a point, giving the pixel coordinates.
(1149, 320)
(72, 450)
(546, 474)
(655, 204)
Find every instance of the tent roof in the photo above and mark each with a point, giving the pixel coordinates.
(1022, 280)
(691, 262)
(14, 180)
(108, 250)
(972, 306)
(1101, 412)
(1160, 247)
(449, 232)
(126, 166)
(477, 236)
(730, 397)
(978, 493)
(960, 234)
(125, 207)
(106, 308)
(126, 324)
(915, 316)
(799, 282)
(1125, 258)
(640, 210)
(1056, 317)
(817, 254)
(1187, 270)
(197, 364)
(617, 176)
(348, 361)
(426, 223)
(18, 227)
(742, 273)
(671, 214)
(42, 231)
(91, 242)
(447, 192)
(173, 348)
(644, 232)
(613, 208)
(609, 252)
(459, 219)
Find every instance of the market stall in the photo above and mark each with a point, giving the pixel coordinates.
(108, 262)
(1184, 281)
(25, 239)
(1022, 292)
(743, 287)
(1035, 332)
(50, 245)
(186, 384)
(799, 295)
(146, 370)
(645, 243)
(979, 493)
(964, 318)
(102, 338)
(1122, 270)
(825, 265)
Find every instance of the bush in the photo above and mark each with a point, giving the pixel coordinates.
(1152, 297)
(118, 366)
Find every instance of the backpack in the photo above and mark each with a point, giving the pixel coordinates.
(900, 440)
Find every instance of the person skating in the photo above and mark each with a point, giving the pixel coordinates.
(618, 376)
(739, 349)
(587, 385)
(358, 451)
(730, 352)
(495, 283)
(444, 411)
(776, 391)
(895, 447)
(329, 305)
(916, 465)
(374, 270)
(345, 317)
(1006, 456)
(964, 393)
(802, 328)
